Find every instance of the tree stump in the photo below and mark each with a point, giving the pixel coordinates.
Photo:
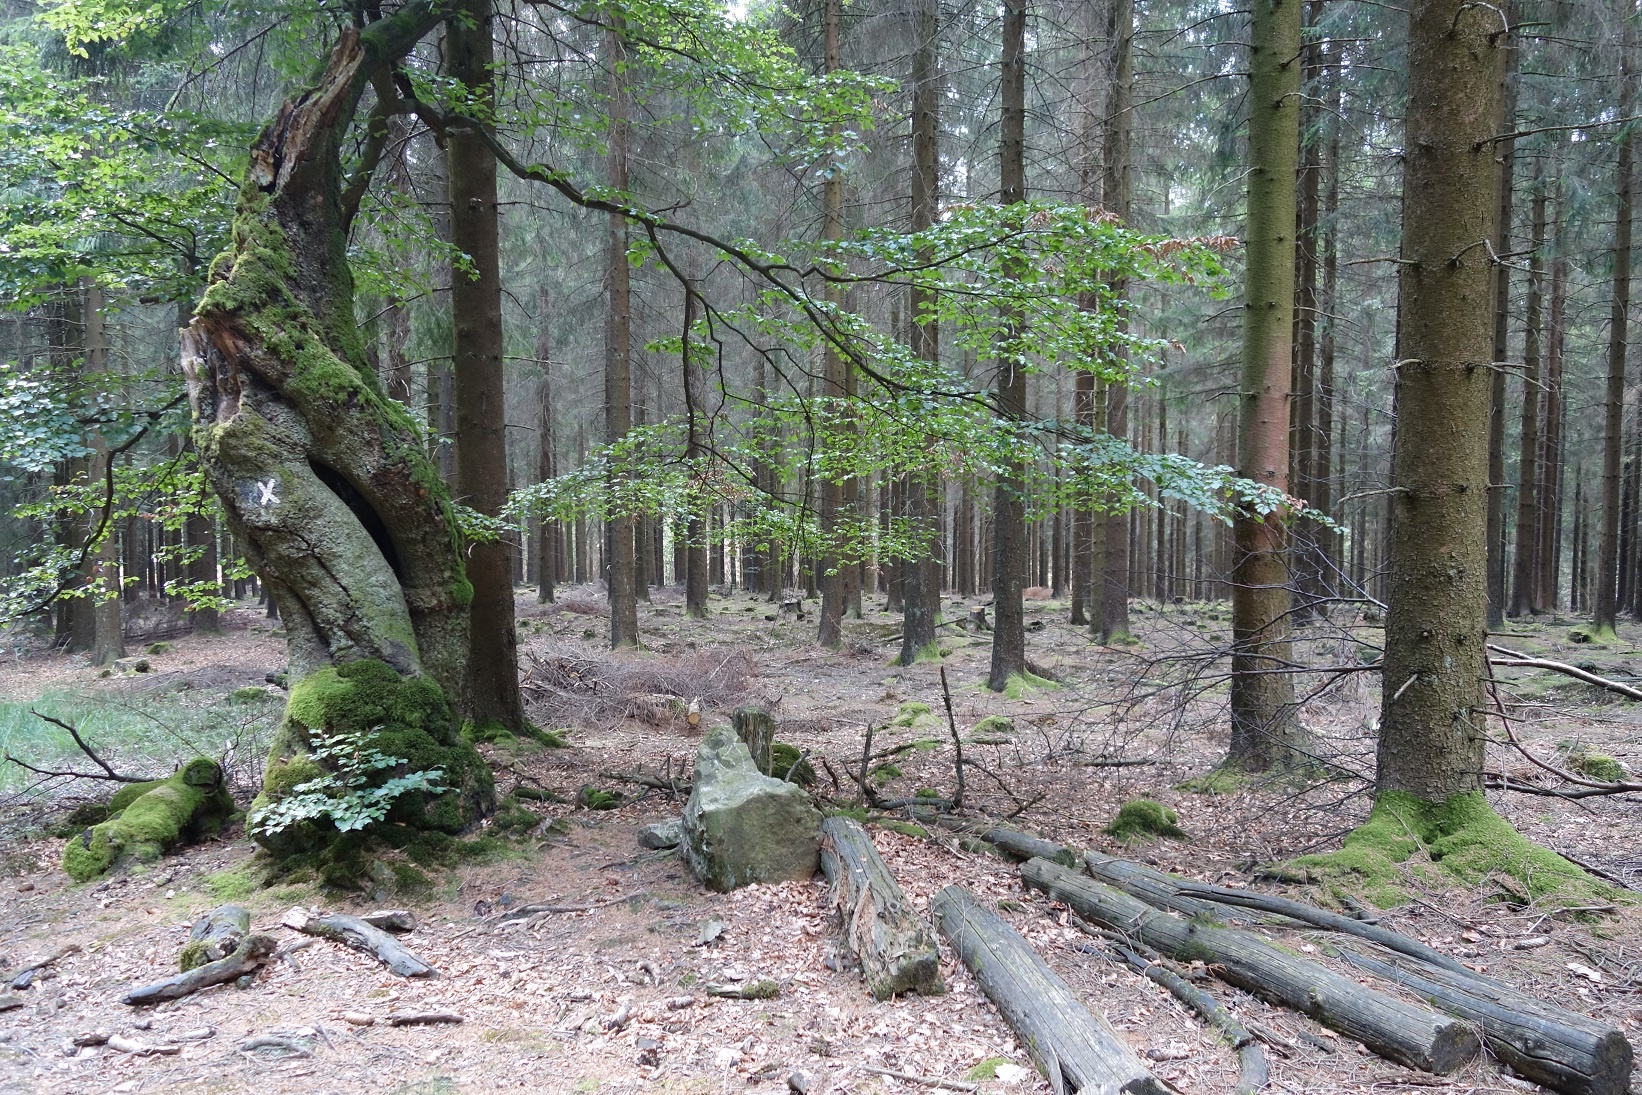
(1074, 1049)
(215, 935)
(756, 727)
(894, 944)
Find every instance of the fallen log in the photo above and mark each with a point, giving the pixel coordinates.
(1404, 1033)
(248, 958)
(353, 932)
(894, 943)
(1559, 1049)
(1202, 899)
(1516, 660)
(1073, 1048)
(1252, 1074)
(1010, 841)
(215, 935)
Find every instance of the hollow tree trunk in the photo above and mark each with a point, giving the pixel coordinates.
(322, 477)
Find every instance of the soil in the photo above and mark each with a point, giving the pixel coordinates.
(613, 997)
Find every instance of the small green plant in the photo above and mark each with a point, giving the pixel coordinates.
(345, 796)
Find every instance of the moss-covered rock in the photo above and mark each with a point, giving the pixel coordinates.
(913, 714)
(1145, 819)
(152, 819)
(404, 717)
(787, 763)
(1460, 839)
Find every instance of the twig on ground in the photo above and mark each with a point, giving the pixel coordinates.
(926, 1081)
(957, 742)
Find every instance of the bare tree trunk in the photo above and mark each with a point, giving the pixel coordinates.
(1502, 336)
(1523, 586)
(618, 368)
(921, 575)
(548, 534)
(108, 628)
(1607, 608)
(1113, 618)
(1303, 407)
(695, 452)
(1265, 731)
(476, 358)
(1008, 509)
(831, 626)
(1549, 521)
(1432, 706)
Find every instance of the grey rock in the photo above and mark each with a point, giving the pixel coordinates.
(662, 834)
(741, 826)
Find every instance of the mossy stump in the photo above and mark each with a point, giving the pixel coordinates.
(404, 716)
(146, 820)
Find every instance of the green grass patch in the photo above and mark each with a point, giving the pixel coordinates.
(1020, 685)
(1458, 839)
(987, 1069)
(234, 884)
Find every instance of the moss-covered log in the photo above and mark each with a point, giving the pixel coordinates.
(1402, 1032)
(323, 478)
(215, 935)
(152, 819)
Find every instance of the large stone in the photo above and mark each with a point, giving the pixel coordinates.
(741, 826)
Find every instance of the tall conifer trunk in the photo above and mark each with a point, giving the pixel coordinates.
(1008, 508)
(1265, 731)
(833, 382)
(1497, 593)
(1524, 589)
(1619, 318)
(1111, 547)
(620, 571)
(1432, 703)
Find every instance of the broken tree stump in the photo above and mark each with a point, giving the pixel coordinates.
(248, 958)
(1073, 1048)
(894, 944)
(215, 935)
(756, 727)
(1560, 1049)
(1401, 1032)
(353, 932)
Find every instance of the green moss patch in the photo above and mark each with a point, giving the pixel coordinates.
(993, 730)
(1459, 839)
(1144, 819)
(987, 1069)
(1021, 685)
(155, 818)
(1216, 781)
(910, 713)
(787, 763)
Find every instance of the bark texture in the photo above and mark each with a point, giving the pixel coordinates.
(1431, 720)
(323, 478)
(1265, 731)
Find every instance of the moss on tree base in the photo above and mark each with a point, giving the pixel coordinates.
(146, 820)
(404, 717)
(1459, 839)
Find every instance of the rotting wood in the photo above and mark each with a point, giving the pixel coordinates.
(23, 976)
(1073, 1048)
(422, 1018)
(248, 958)
(756, 727)
(1014, 842)
(215, 935)
(1152, 887)
(1401, 1032)
(1559, 1049)
(1252, 1073)
(353, 932)
(141, 1049)
(397, 921)
(894, 943)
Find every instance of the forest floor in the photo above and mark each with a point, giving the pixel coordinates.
(537, 994)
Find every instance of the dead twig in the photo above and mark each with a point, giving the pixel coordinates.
(957, 742)
(925, 1081)
(84, 748)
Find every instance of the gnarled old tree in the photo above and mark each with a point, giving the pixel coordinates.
(323, 477)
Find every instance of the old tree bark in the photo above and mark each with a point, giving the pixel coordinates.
(323, 477)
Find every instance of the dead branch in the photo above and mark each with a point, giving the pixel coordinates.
(84, 748)
(256, 950)
(957, 742)
(1516, 660)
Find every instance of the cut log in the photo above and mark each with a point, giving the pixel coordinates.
(894, 944)
(756, 727)
(1402, 1032)
(1074, 1049)
(1322, 918)
(353, 932)
(1153, 887)
(248, 958)
(1012, 842)
(1560, 1049)
(215, 935)
(1252, 1074)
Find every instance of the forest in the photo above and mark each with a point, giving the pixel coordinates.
(827, 546)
